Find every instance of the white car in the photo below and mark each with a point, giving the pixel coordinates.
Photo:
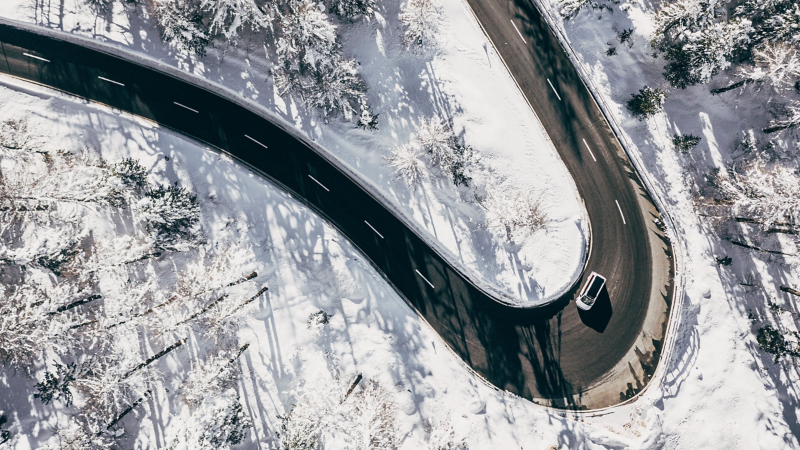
(591, 290)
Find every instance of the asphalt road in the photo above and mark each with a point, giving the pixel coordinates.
(553, 352)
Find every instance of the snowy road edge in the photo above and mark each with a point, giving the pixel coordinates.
(675, 238)
(472, 276)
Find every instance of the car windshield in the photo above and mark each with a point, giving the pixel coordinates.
(594, 289)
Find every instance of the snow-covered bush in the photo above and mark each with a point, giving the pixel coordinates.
(420, 18)
(56, 385)
(180, 23)
(171, 213)
(514, 211)
(405, 161)
(367, 119)
(685, 143)
(773, 342)
(648, 102)
(14, 134)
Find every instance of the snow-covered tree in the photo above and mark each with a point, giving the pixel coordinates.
(679, 19)
(420, 18)
(445, 150)
(790, 119)
(369, 418)
(439, 435)
(513, 211)
(307, 44)
(310, 63)
(216, 373)
(436, 138)
(171, 213)
(704, 53)
(406, 163)
(351, 8)
(766, 191)
(684, 143)
(773, 20)
(337, 89)
(109, 388)
(180, 23)
(570, 8)
(367, 119)
(778, 64)
(228, 17)
(25, 332)
(648, 102)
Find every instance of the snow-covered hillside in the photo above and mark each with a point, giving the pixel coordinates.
(457, 80)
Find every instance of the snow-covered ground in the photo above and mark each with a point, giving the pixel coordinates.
(462, 80)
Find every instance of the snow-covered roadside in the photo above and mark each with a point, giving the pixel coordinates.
(719, 389)
(308, 267)
(463, 80)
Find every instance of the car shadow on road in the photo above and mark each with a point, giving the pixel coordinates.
(598, 317)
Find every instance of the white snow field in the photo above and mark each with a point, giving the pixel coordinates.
(308, 267)
(461, 79)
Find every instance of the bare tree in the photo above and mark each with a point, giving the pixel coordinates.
(514, 211)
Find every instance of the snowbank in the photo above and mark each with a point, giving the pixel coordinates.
(463, 80)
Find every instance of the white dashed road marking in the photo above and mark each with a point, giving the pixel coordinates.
(620, 213)
(590, 150)
(259, 143)
(184, 106)
(554, 89)
(36, 57)
(317, 181)
(520, 34)
(111, 81)
(373, 229)
(423, 277)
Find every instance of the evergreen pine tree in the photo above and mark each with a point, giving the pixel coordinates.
(648, 102)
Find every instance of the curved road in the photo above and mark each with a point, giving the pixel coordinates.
(552, 355)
